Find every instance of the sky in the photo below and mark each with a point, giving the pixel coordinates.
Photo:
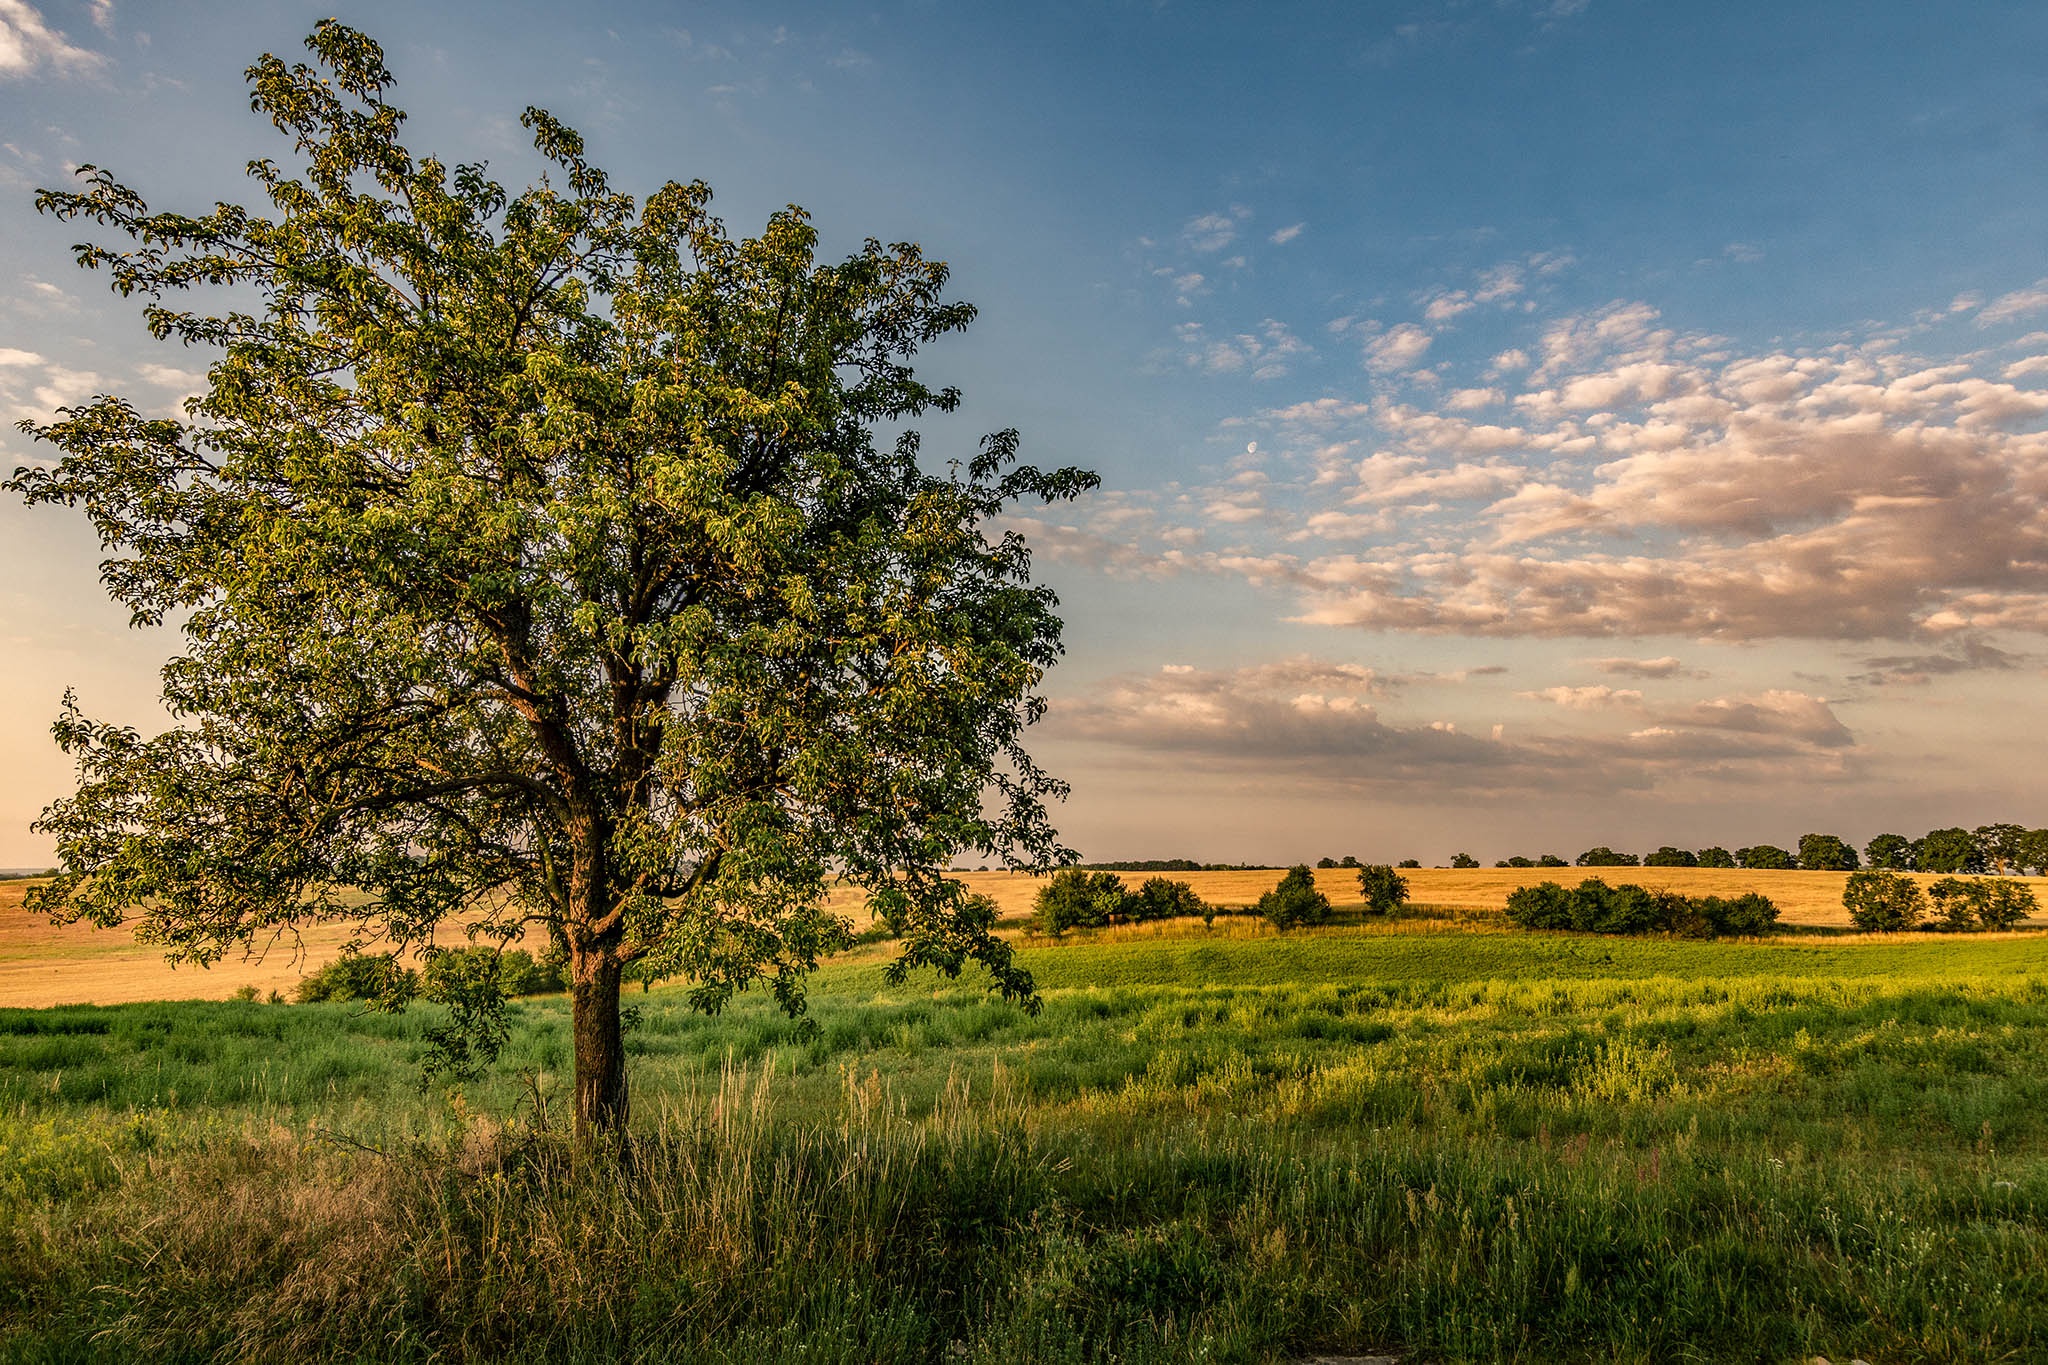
(1523, 424)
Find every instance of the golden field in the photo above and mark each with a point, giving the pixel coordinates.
(77, 964)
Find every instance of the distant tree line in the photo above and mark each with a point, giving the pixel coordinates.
(1594, 907)
(1185, 865)
(1998, 848)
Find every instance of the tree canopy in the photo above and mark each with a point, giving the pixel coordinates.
(539, 566)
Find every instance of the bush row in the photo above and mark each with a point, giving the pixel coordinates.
(1597, 908)
(378, 976)
(1883, 902)
(1076, 898)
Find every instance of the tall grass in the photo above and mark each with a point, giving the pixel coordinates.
(1627, 1159)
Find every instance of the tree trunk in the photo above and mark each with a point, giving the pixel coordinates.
(600, 1046)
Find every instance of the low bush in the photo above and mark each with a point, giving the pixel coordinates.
(359, 976)
(1079, 899)
(1883, 902)
(1594, 907)
(1295, 901)
(1384, 889)
(519, 973)
(1971, 903)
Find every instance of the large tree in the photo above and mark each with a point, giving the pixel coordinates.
(539, 568)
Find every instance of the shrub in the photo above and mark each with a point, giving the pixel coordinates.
(1956, 901)
(518, 971)
(1384, 889)
(359, 976)
(1598, 908)
(1077, 899)
(1551, 860)
(1981, 902)
(1595, 907)
(1545, 905)
(1745, 914)
(1160, 898)
(1464, 860)
(1295, 901)
(2007, 903)
(1883, 902)
(1409, 862)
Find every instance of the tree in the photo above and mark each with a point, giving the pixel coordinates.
(1825, 853)
(538, 564)
(1384, 889)
(1295, 901)
(1954, 849)
(1883, 902)
(1667, 856)
(1604, 856)
(1078, 899)
(1409, 862)
(1551, 860)
(1957, 901)
(1463, 860)
(1890, 852)
(1162, 898)
(2033, 853)
(1323, 864)
(1768, 856)
(2001, 846)
(1716, 856)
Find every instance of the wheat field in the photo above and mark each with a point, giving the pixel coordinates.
(42, 964)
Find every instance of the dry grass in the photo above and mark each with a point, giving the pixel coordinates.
(41, 964)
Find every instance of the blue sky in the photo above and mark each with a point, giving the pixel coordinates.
(1523, 425)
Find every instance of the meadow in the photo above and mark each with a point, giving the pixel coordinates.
(1431, 1136)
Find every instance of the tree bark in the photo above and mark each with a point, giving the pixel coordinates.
(600, 1046)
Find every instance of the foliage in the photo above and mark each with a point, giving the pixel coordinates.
(355, 975)
(1078, 899)
(1716, 856)
(1883, 902)
(537, 561)
(1604, 856)
(1384, 889)
(1826, 853)
(1551, 860)
(1295, 901)
(1890, 853)
(1159, 898)
(1953, 849)
(1595, 907)
(1668, 856)
(1463, 860)
(1409, 862)
(1981, 902)
(1767, 856)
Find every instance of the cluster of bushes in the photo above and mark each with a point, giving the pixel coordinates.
(1077, 898)
(1594, 907)
(378, 976)
(1881, 901)
(1296, 901)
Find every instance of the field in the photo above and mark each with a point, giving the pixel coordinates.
(41, 965)
(1434, 1136)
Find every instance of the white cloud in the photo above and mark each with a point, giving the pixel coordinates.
(1282, 236)
(27, 43)
(1596, 697)
(2017, 304)
(1397, 349)
(1211, 232)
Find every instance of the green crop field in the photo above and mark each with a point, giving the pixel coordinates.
(1432, 1138)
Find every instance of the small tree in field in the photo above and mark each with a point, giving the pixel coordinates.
(1077, 899)
(1295, 901)
(539, 566)
(1883, 902)
(1716, 856)
(2006, 903)
(1890, 852)
(1463, 861)
(1384, 889)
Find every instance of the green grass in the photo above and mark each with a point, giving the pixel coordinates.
(1465, 1145)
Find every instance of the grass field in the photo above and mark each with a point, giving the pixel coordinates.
(41, 965)
(1432, 1136)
